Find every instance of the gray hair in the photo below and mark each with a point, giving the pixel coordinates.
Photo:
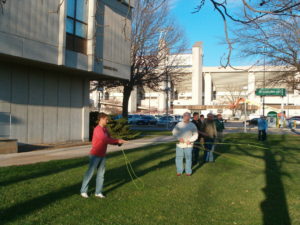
(187, 113)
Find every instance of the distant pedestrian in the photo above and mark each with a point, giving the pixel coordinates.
(262, 125)
(196, 148)
(220, 127)
(210, 134)
(101, 139)
(186, 133)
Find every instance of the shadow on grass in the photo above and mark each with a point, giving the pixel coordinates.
(274, 208)
(114, 175)
(24, 173)
(114, 179)
(20, 210)
(33, 171)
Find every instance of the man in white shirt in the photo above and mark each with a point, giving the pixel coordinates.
(186, 133)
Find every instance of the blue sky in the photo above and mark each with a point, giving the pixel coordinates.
(205, 26)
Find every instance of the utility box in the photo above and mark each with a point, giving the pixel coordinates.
(272, 119)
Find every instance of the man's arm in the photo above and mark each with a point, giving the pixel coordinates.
(176, 133)
(195, 134)
(113, 141)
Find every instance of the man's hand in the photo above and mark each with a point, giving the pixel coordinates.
(121, 141)
(181, 140)
(188, 142)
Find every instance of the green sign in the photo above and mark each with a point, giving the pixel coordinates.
(272, 114)
(270, 92)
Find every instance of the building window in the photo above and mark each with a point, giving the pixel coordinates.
(76, 26)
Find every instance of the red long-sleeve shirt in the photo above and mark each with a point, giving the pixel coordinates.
(101, 139)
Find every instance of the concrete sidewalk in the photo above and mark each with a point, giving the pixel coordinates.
(72, 152)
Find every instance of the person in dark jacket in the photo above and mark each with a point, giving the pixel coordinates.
(210, 135)
(220, 127)
(196, 149)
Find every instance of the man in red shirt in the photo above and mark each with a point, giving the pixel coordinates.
(101, 139)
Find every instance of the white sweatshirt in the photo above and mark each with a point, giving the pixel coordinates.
(187, 131)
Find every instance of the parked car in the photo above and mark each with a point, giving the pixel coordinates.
(146, 120)
(132, 119)
(167, 120)
(116, 117)
(158, 116)
(294, 119)
(178, 118)
(253, 121)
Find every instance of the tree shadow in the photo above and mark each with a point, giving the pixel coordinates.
(113, 175)
(274, 208)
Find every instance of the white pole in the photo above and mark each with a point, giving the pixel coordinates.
(245, 114)
(282, 117)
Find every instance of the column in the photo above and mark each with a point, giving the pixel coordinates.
(62, 34)
(207, 89)
(197, 55)
(251, 86)
(91, 33)
(85, 111)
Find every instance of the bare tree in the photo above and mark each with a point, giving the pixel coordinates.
(232, 97)
(276, 39)
(252, 12)
(156, 41)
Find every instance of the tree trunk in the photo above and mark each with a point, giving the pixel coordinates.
(126, 95)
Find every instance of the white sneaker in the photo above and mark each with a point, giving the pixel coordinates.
(100, 195)
(84, 195)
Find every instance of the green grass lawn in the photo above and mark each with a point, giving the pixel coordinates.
(154, 133)
(246, 186)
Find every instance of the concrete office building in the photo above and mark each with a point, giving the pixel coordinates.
(209, 89)
(49, 51)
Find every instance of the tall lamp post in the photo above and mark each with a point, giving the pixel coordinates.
(264, 79)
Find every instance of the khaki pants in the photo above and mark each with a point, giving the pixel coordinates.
(220, 136)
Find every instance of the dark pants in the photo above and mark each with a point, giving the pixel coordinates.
(195, 153)
(208, 144)
(262, 135)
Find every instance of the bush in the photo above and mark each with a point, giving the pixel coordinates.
(121, 129)
(117, 128)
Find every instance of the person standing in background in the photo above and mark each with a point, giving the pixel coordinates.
(210, 134)
(262, 126)
(186, 133)
(220, 127)
(196, 148)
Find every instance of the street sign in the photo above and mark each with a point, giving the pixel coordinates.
(272, 114)
(270, 92)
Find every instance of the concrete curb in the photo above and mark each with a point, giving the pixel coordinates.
(25, 158)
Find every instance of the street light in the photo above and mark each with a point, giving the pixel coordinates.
(264, 79)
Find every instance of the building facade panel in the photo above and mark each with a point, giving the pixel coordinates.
(35, 106)
(50, 97)
(37, 30)
(45, 106)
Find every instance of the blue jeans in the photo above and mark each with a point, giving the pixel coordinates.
(195, 153)
(95, 163)
(184, 153)
(208, 154)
